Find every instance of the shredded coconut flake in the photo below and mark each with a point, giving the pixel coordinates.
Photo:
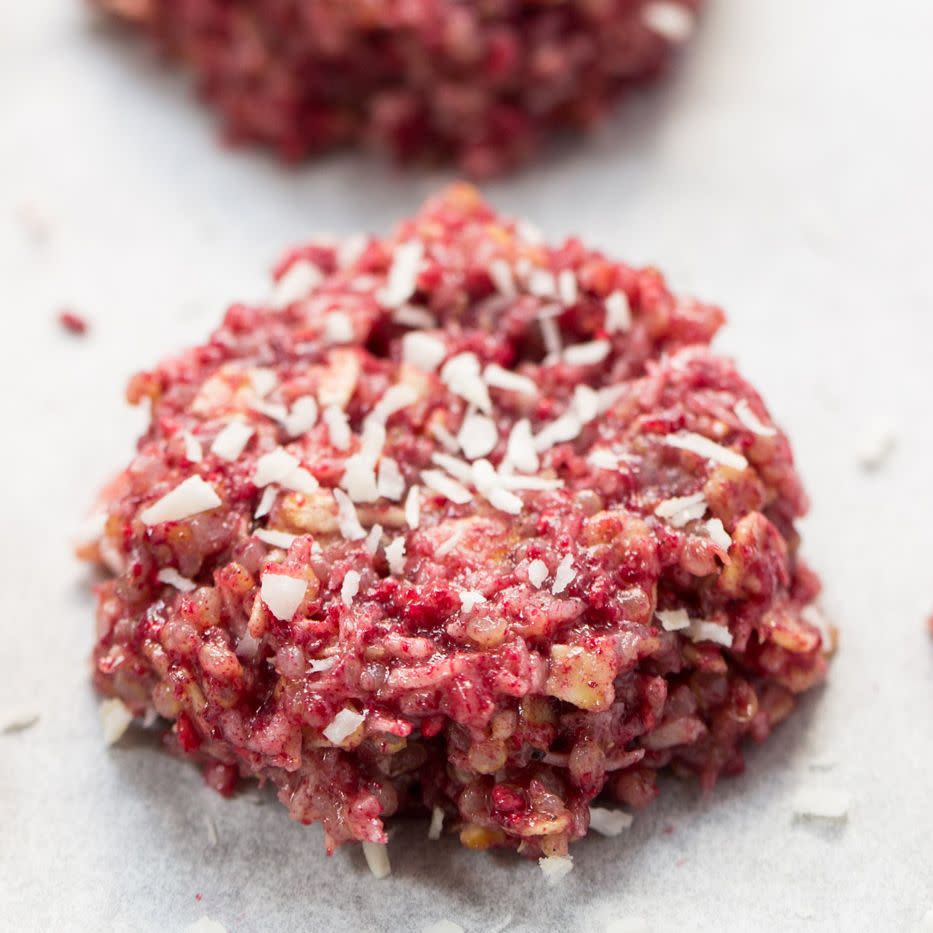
(190, 497)
(444, 438)
(437, 823)
(550, 334)
(115, 717)
(302, 416)
(537, 573)
(457, 468)
(824, 803)
(618, 313)
(423, 351)
(673, 620)
(194, 453)
(350, 587)
(521, 453)
(395, 399)
(372, 439)
(876, 443)
(743, 411)
(469, 599)
(478, 436)
(232, 441)
(503, 500)
(371, 544)
(585, 403)
(567, 289)
(301, 278)
(492, 486)
(443, 485)
(603, 459)
(411, 316)
(704, 447)
(701, 630)
(565, 428)
(275, 411)
(247, 646)
(609, 822)
(682, 509)
(282, 594)
(564, 575)
(536, 483)
(413, 507)
(403, 274)
(499, 378)
(266, 501)
(718, 534)
(377, 858)
(338, 328)
(395, 555)
(542, 283)
(343, 725)
(351, 249)
(359, 478)
(609, 396)
(673, 21)
(500, 272)
(172, 577)
(587, 354)
(211, 830)
(555, 868)
(390, 482)
(262, 381)
(276, 538)
(347, 520)
(17, 719)
(338, 427)
(461, 374)
(529, 232)
(300, 480)
(274, 467)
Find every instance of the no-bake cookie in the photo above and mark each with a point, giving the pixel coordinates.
(463, 524)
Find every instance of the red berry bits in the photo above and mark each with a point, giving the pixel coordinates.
(462, 524)
(72, 322)
(479, 84)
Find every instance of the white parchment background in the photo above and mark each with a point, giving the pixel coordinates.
(784, 172)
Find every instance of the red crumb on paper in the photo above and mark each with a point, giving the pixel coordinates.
(458, 521)
(73, 322)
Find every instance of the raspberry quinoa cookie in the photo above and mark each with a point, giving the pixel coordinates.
(476, 83)
(461, 524)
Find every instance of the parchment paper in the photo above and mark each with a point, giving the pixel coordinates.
(783, 171)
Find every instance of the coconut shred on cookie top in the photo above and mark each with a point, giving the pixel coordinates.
(462, 524)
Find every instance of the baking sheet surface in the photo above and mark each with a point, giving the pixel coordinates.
(783, 171)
